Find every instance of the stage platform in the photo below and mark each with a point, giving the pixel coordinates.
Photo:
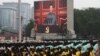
(49, 36)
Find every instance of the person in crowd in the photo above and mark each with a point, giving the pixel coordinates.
(97, 52)
(91, 52)
(31, 51)
(65, 52)
(73, 52)
(78, 52)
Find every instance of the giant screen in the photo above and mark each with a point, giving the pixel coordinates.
(50, 16)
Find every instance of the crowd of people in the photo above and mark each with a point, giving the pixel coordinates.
(50, 49)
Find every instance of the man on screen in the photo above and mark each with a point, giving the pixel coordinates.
(51, 17)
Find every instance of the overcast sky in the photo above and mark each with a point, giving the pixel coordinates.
(79, 4)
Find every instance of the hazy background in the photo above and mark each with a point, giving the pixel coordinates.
(79, 4)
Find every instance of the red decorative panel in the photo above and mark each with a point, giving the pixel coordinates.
(46, 9)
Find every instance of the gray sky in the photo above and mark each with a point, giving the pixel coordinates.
(86, 3)
(79, 4)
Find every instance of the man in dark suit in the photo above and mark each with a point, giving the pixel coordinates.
(51, 17)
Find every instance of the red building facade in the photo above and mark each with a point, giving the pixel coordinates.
(42, 9)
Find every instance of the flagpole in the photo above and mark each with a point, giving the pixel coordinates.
(19, 17)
